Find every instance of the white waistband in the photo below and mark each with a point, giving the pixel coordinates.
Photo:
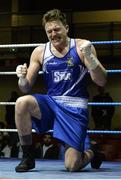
(71, 101)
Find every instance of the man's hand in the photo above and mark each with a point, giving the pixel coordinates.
(85, 48)
(21, 70)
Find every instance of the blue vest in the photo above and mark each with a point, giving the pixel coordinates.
(65, 76)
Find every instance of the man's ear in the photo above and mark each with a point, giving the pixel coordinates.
(67, 27)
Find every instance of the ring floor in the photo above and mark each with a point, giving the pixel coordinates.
(54, 169)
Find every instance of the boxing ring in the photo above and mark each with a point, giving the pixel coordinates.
(54, 169)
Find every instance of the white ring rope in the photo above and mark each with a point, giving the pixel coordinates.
(8, 73)
(7, 103)
(39, 44)
(41, 72)
(12, 130)
(19, 45)
(14, 73)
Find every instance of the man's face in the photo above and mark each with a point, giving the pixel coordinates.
(56, 32)
(47, 139)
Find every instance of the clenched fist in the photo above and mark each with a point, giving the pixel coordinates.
(92, 60)
(85, 48)
(21, 70)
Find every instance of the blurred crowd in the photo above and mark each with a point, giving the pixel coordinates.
(46, 147)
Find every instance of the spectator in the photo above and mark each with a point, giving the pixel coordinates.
(49, 149)
(10, 118)
(1, 144)
(16, 150)
(6, 148)
(102, 115)
(10, 111)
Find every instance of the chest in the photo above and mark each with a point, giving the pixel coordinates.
(66, 63)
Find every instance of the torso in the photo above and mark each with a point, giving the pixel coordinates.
(65, 74)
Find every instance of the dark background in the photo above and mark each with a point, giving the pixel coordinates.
(73, 5)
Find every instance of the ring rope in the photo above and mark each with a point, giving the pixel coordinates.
(19, 45)
(12, 130)
(14, 73)
(105, 103)
(103, 132)
(7, 103)
(114, 71)
(89, 103)
(38, 44)
(88, 131)
(41, 72)
(107, 42)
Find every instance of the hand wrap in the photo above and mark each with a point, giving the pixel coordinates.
(85, 48)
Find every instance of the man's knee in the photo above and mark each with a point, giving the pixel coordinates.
(73, 159)
(73, 166)
(21, 104)
(18, 103)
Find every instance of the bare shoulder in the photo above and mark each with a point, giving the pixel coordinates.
(39, 49)
(38, 52)
(79, 42)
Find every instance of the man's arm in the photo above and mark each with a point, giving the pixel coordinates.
(27, 76)
(97, 71)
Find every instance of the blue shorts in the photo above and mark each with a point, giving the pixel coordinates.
(66, 116)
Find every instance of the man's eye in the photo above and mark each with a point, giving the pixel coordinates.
(49, 32)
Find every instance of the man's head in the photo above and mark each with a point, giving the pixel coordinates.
(55, 25)
(47, 139)
(54, 15)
